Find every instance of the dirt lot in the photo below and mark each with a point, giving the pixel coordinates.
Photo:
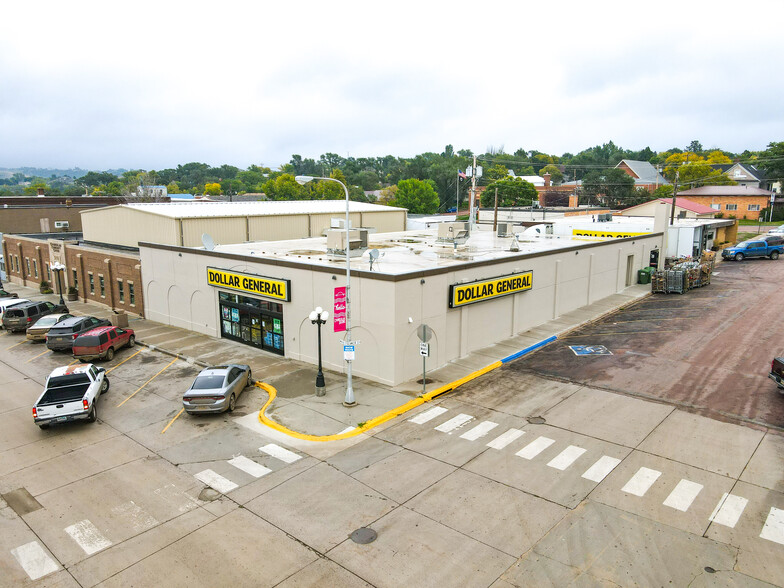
(709, 349)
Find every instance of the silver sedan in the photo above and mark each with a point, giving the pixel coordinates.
(217, 388)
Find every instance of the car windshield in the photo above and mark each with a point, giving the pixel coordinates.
(742, 245)
(207, 382)
(46, 321)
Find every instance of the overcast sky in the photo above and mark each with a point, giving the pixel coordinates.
(151, 85)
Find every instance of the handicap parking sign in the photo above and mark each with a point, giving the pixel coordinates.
(590, 350)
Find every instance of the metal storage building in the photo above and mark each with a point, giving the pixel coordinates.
(183, 223)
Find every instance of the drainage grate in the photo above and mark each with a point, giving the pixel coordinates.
(363, 535)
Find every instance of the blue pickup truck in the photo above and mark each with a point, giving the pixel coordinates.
(752, 249)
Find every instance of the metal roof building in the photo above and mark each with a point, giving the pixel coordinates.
(183, 223)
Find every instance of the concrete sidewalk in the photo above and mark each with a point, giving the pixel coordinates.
(296, 406)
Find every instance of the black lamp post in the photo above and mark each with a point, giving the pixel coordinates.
(319, 317)
(58, 268)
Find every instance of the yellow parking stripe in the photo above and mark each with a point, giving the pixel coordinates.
(16, 345)
(73, 362)
(147, 382)
(39, 355)
(123, 361)
(172, 421)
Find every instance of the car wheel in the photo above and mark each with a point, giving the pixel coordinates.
(131, 341)
(774, 255)
(44, 427)
(738, 257)
(250, 378)
(110, 354)
(105, 386)
(93, 416)
(232, 403)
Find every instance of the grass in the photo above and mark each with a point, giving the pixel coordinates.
(746, 221)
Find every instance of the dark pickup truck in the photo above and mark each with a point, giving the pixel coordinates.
(777, 372)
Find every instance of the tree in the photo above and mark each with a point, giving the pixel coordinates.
(284, 187)
(556, 177)
(695, 146)
(511, 192)
(772, 161)
(418, 196)
(496, 172)
(718, 157)
(212, 189)
(613, 187)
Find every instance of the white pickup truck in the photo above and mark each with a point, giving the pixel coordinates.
(70, 394)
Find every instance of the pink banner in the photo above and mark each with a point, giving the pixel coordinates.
(339, 311)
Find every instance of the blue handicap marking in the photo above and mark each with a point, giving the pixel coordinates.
(590, 350)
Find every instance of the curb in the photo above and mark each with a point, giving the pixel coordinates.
(185, 358)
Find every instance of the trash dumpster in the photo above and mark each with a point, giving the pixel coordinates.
(643, 276)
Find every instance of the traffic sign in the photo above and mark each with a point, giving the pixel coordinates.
(424, 350)
(348, 352)
(424, 333)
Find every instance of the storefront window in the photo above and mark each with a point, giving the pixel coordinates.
(252, 321)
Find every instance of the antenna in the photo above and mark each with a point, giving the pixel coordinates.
(207, 241)
(373, 254)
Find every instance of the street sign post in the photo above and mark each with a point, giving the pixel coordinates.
(424, 333)
(348, 352)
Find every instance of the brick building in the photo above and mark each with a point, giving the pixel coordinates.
(107, 275)
(48, 214)
(731, 201)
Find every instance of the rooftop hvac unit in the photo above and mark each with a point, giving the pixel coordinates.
(605, 217)
(61, 224)
(504, 229)
(336, 242)
(447, 232)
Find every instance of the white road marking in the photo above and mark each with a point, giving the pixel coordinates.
(280, 453)
(140, 519)
(774, 526)
(503, 440)
(172, 494)
(599, 470)
(346, 430)
(566, 458)
(641, 482)
(88, 537)
(249, 466)
(478, 431)
(34, 560)
(428, 415)
(535, 447)
(454, 423)
(216, 481)
(683, 495)
(728, 510)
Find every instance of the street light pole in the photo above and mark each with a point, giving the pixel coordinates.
(349, 401)
(58, 268)
(319, 317)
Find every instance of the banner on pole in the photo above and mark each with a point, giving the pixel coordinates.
(339, 310)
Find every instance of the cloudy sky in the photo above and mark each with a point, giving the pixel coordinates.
(152, 84)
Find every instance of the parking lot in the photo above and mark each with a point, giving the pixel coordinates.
(708, 350)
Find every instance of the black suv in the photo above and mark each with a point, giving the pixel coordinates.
(21, 316)
(773, 239)
(61, 336)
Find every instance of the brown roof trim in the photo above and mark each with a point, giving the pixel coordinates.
(379, 276)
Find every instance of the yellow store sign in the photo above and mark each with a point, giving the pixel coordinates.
(605, 234)
(250, 284)
(462, 294)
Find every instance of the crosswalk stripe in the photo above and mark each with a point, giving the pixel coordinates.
(478, 431)
(34, 560)
(535, 447)
(216, 481)
(683, 495)
(566, 458)
(641, 481)
(503, 440)
(428, 415)
(774, 526)
(454, 423)
(599, 470)
(280, 453)
(88, 537)
(728, 510)
(249, 466)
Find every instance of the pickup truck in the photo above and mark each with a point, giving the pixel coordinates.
(777, 371)
(752, 249)
(70, 394)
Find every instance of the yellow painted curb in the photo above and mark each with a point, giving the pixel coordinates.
(374, 422)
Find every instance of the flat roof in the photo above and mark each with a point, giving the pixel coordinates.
(196, 209)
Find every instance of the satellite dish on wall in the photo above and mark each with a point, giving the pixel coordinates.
(373, 254)
(207, 241)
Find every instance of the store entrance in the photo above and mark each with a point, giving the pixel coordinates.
(252, 321)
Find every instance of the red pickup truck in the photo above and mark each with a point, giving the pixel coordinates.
(777, 372)
(102, 342)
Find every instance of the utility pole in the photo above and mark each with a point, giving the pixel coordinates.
(473, 196)
(457, 194)
(674, 194)
(495, 211)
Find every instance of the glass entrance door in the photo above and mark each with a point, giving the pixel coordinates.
(252, 321)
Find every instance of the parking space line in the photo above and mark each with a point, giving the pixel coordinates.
(39, 355)
(73, 362)
(16, 344)
(148, 381)
(34, 560)
(728, 510)
(172, 421)
(123, 361)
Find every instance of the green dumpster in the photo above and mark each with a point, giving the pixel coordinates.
(643, 277)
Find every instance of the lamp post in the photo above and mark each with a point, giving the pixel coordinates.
(349, 400)
(58, 268)
(319, 317)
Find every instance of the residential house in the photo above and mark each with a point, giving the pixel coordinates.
(684, 208)
(745, 174)
(737, 201)
(644, 174)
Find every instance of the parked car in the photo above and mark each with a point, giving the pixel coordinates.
(777, 231)
(21, 316)
(217, 388)
(773, 239)
(102, 343)
(38, 330)
(755, 248)
(9, 302)
(69, 394)
(777, 372)
(6, 294)
(61, 336)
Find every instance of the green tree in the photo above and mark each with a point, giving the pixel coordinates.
(511, 192)
(772, 161)
(418, 196)
(212, 189)
(612, 187)
(496, 172)
(556, 177)
(284, 187)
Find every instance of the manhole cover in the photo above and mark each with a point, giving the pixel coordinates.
(710, 570)
(208, 495)
(537, 420)
(363, 536)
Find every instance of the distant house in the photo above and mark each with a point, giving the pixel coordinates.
(154, 193)
(745, 174)
(684, 208)
(737, 201)
(644, 174)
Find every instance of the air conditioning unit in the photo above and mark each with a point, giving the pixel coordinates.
(61, 224)
(504, 229)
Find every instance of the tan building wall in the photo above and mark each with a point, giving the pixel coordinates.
(127, 227)
(741, 202)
